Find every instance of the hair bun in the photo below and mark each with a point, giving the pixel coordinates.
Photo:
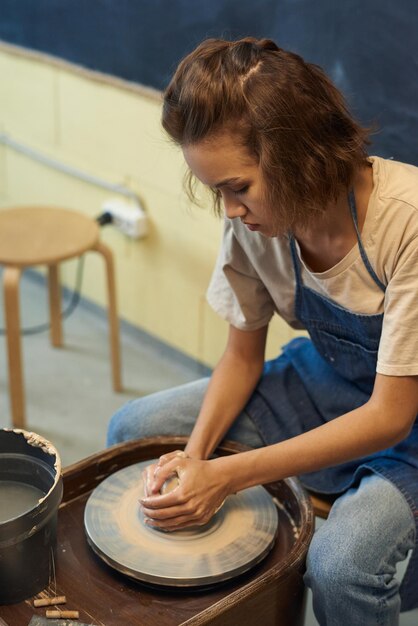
(253, 44)
(267, 44)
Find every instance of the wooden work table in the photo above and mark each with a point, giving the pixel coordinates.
(271, 593)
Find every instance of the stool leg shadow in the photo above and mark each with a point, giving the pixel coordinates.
(54, 292)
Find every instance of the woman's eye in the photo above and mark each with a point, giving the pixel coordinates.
(241, 191)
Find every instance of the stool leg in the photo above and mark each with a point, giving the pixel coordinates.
(102, 249)
(55, 306)
(11, 278)
(321, 505)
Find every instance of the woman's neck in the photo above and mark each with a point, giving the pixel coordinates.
(331, 236)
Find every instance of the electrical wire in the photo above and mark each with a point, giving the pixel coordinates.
(72, 305)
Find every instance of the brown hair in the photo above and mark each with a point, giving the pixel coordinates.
(288, 114)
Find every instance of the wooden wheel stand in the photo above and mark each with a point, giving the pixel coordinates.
(46, 236)
(271, 594)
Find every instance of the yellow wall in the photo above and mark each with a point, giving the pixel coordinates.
(111, 129)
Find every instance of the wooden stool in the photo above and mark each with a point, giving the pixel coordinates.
(46, 236)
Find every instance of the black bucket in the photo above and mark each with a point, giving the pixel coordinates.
(30, 494)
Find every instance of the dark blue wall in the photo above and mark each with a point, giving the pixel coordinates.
(368, 47)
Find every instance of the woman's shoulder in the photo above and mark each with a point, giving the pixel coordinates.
(395, 181)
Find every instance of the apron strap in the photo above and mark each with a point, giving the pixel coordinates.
(295, 259)
(353, 210)
(369, 268)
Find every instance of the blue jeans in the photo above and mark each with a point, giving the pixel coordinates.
(173, 412)
(352, 559)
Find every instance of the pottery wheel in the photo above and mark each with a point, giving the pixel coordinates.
(240, 534)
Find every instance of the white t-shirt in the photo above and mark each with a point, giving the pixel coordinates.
(254, 276)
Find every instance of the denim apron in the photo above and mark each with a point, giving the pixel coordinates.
(315, 380)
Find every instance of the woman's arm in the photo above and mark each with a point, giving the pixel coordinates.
(383, 421)
(231, 385)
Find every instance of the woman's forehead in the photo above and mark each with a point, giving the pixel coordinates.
(220, 159)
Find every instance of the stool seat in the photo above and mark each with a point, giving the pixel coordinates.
(38, 235)
(44, 235)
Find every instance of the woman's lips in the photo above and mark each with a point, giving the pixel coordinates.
(252, 226)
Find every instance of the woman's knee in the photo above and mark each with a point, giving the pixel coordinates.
(168, 412)
(336, 568)
(324, 567)
(121, 424)
(369, 530)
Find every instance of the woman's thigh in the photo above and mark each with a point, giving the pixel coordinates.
(173, 412)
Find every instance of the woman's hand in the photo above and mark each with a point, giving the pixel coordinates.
(152, 485)
(200, 492)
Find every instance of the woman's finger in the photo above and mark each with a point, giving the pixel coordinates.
(180, 520)
(163, 501)
(148, 479)
(169, 513)
(165, 458)
(163, 473)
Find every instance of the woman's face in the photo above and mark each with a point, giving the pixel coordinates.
(223, 164)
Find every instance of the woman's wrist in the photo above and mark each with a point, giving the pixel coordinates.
(229, 468)
(195, 451)
(200, 446)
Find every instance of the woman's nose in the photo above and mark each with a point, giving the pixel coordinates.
(233, 206)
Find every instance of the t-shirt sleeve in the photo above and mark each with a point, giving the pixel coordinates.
(236, 292)
(398, 348)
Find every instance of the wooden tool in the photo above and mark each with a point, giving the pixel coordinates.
(49, 601)
(62, 614)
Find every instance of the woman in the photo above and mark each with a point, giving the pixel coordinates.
(325, 237)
